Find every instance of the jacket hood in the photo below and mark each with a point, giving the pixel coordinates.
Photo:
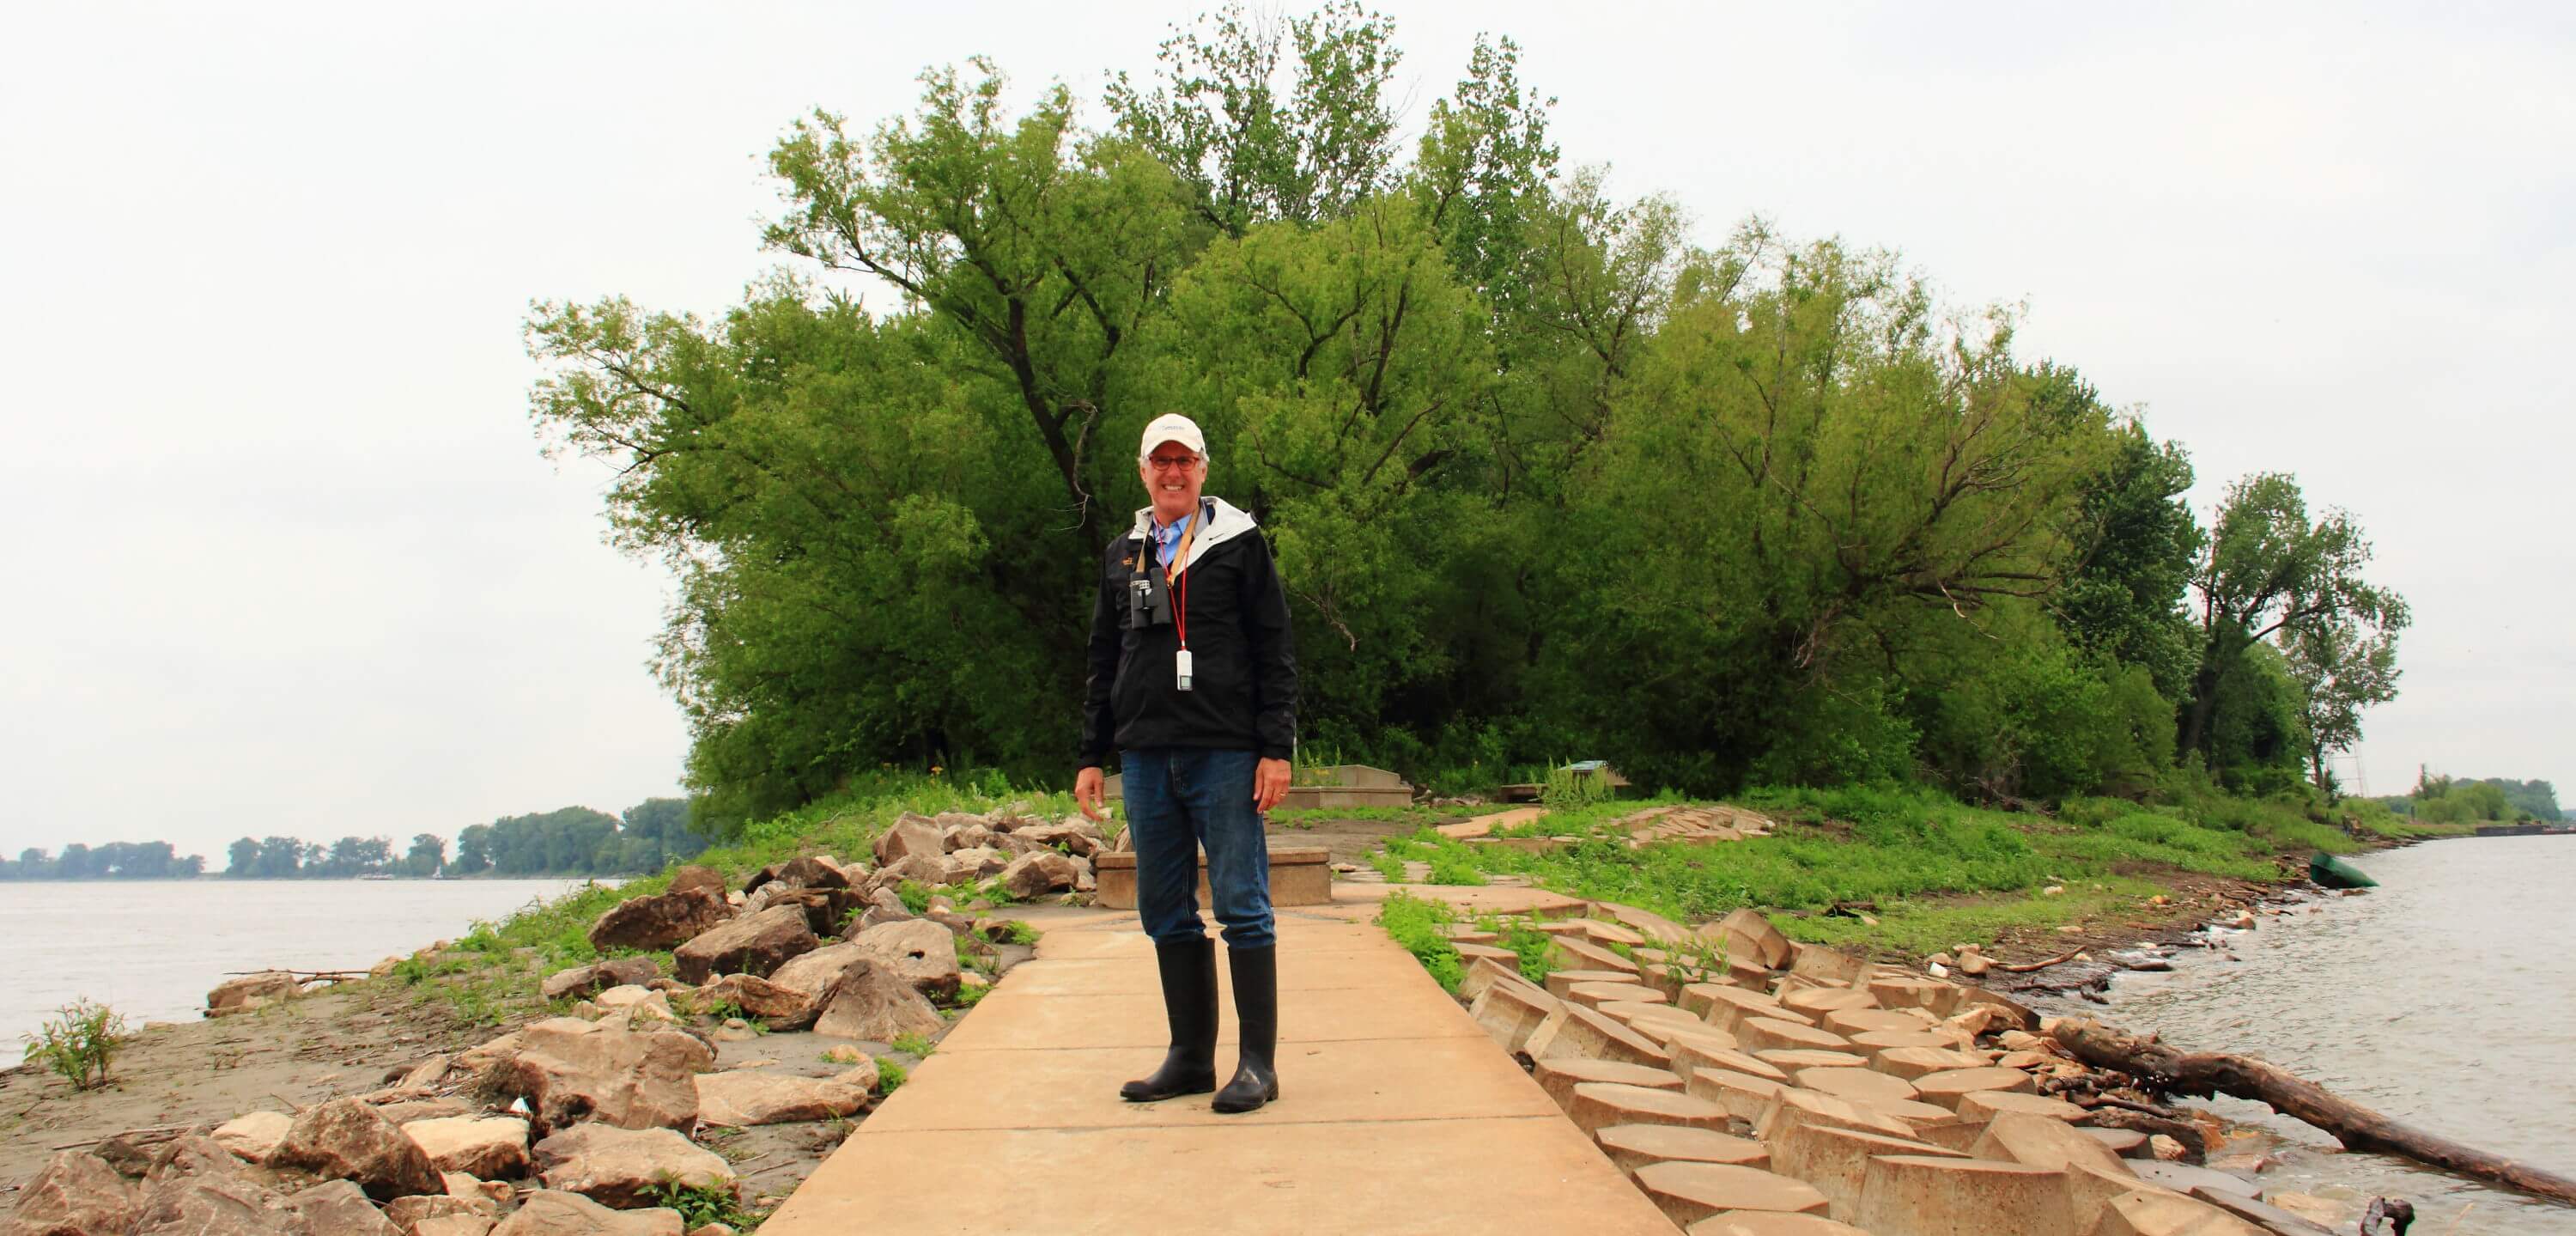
(1220, 521)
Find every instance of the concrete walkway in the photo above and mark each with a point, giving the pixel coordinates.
(1397, 1113)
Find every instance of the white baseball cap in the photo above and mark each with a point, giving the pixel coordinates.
(1172, 427)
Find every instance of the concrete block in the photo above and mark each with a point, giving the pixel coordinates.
(1559, 1075)
(1691, 1054)
(1690, 1192)
(1598, 1105)
(1856, 1085)
(1945, 1088)
(1836, 1160)
(1515, 1015)
(1299, 876)
(1633, 1146)
(1743, 1095)
(1929, 1195)
(1765, 1033)
(1585, 1032)
(1988, 1104)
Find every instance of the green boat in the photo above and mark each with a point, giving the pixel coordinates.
(2333, 872)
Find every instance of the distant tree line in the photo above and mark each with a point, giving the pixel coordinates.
(574, 841)
(2463, 800)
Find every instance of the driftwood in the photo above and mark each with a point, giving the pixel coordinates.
(2110, 1113)
(2202, 1074)
(2029, 966)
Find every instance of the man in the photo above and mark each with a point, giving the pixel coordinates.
(1194, 683)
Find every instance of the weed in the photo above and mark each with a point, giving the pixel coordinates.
(1415, 923)
(1018, 931)
(916, 896)
(890, 1076)
(700, 1205)
(913, 1045)
(79, 1042)
(1389, 864)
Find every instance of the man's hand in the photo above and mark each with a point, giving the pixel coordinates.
(1090, 791)
(1269, 784)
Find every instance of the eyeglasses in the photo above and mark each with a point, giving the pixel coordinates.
(1174, 463)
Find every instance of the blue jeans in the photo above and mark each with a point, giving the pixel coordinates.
(1178, 799)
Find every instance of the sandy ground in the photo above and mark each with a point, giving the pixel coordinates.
(281, 1057)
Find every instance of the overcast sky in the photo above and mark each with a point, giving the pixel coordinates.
(282, 554)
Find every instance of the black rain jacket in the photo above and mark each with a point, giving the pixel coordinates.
(1243, 693)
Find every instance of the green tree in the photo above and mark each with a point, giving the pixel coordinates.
(2268, 569)
(427, 855)
(243, 858)
(1270, 120)
(2342, 667)
(2136, 541)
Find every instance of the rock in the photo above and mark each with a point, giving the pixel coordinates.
(825, 909)
(77, 1194)
(753, 944)
(975, 863)
(571, 1070)
(814, 973)
(404, 1111)
(742, 1097)
(254, 1136)
(619, 1168)
(921, 952)
(1975, 965)
(776, 1004)
(863, 1072)
(484, 1147)
(637, 1000)
(1075, 839)
(970, 835)
(348, 1140)
(176, 1159)
(1038, 873)
(2165, 1149)
(911, 836)
(251, 991)
(697, 879)
(868, 1002)
(411, 1213)
(810, 871)
(919, 868)
(340, 1206)
(549, 1212)
(599, 976)
(216, 1204)
(659, 921)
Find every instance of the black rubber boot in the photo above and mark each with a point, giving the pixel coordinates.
(1256, 1005)
(1189, 1003)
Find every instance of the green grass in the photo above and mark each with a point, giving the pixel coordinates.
(890, 1076)
(914, 1045)
(1308, 817)
(1938, 870)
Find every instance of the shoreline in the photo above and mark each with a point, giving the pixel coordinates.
(339, 1040)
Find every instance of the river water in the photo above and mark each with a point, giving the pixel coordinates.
(150, 949)
(2445, 998)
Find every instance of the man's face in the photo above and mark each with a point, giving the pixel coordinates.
(1172, 474)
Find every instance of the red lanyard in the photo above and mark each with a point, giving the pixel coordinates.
(1177, 576)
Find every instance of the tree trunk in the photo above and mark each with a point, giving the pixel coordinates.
(2202, 1074)
(2204, 700)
